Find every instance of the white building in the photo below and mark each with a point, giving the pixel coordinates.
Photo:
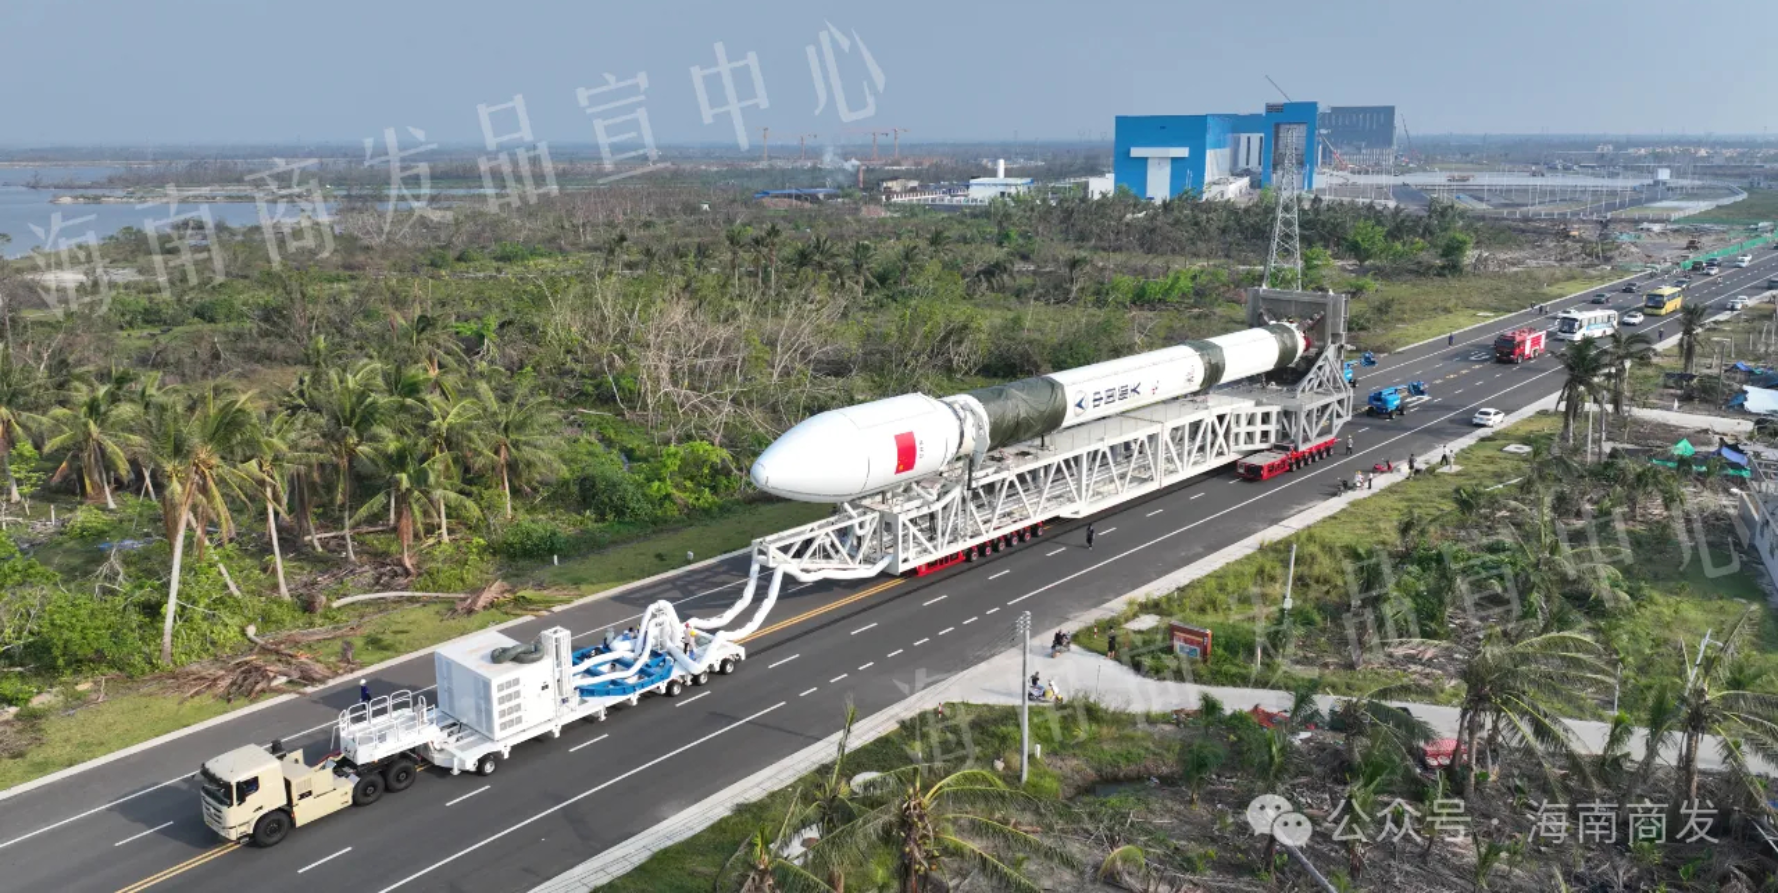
(988, 188)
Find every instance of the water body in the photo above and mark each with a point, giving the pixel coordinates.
(22, 208)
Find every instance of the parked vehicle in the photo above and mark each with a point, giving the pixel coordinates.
(1739, 302)
(1396, 400)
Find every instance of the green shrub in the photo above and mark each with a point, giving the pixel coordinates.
(457, 566)
(77, 630)
(15, 691)
(531, 539)
(90, 522)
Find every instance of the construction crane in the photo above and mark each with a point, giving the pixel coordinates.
(873, 137)
(802, 151)
(896, 133)
(765, 145)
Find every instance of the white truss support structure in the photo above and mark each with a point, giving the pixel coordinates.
(1071, 474)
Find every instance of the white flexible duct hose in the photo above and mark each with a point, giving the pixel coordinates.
(735, 609)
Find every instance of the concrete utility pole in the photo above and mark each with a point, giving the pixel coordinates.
(1023, 626)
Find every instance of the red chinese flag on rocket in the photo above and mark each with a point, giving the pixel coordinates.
(905, 453)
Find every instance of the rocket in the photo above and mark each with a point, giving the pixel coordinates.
(844, 454)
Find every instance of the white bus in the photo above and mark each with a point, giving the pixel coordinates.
(1574, 325)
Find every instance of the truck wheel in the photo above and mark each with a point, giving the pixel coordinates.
(368, 790)
(726, 667)
(400, 775)
(701, 678)
(674, 687)
(271, 828)
(487, 765)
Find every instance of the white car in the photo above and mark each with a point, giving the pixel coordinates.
(1488, 418)
(1738, 302)
(1633, 318)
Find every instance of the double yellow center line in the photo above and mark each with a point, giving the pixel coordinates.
(216, 852)
(226, 848)
(806, 615)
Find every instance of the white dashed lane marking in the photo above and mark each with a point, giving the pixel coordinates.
(583, 744)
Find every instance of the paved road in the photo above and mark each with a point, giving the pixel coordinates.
(133, 824)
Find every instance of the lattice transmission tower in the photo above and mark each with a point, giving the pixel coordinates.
(1288, 144)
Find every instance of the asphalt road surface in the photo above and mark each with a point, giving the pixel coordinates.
(134, 824)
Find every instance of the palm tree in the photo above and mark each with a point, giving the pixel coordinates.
(757, 867)
(518, 432)
(767, 243)
(353, 414)
(92, 434)
(1586, 366)
(859, 259)
(820, 253)
(1519, 688)
(188, 445)
(411, 487)
(22, 393)
(1691, 326)
(734, 239)
(277, 450)
(929, 823)
(453, 439)
(1626, 352)
(908, 257)
(1369, 719)
(1719, 698)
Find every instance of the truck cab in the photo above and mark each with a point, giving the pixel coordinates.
(250, 794)
(1519, 345)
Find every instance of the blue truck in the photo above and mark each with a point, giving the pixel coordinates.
(1396, 400)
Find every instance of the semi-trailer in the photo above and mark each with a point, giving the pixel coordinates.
(493, 693)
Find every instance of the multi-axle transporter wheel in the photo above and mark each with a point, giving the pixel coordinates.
(487, 765)
(726, 667)
(701, 678)
(674, 687)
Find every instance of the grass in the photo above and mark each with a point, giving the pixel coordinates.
(1437, 306)
(602, 570)
(1760, 205)
(69, 737)
(1081, 747)
(1672, 595)
(46, 743)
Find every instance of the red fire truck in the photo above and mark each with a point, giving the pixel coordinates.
(1519, 345)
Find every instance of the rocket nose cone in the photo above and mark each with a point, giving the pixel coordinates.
(816, 461)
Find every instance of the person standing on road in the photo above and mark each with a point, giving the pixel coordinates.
(1348, 444)
(1451, 339)
(1089, 537)
(364, 691)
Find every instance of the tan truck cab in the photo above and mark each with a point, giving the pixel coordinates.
(250, 794)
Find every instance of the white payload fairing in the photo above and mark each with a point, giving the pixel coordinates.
(847, 453)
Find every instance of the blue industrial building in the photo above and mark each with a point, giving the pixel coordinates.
(1163, 156)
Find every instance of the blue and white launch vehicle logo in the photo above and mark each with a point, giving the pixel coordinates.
(1111, 396)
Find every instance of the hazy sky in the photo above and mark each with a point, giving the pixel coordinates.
(174, 71)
